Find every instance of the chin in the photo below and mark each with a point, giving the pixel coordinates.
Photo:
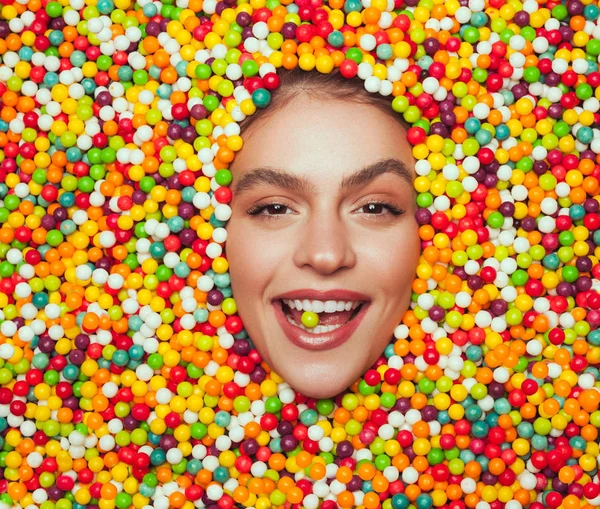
(320, 391)
(313, 384)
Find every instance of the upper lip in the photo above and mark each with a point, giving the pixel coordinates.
(337, 294)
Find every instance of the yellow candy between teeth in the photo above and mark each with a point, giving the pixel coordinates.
(310, 319)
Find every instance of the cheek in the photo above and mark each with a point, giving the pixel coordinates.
(252, 257)
(413, 245)
(396, 258)
(239, 255)
(396, 250)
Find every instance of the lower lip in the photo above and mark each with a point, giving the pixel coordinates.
(323, 341)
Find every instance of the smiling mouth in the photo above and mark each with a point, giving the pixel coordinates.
(328, 322)
(334, 328)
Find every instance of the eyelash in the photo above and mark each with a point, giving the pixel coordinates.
(259, 207)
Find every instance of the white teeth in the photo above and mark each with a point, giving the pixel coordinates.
(330, 306)
(319, 329)
(319, 306)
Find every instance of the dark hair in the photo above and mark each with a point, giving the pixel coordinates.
(332, 86)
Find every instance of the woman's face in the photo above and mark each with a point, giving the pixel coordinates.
(308, 227)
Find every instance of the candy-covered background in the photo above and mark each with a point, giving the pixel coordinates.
(127, 379)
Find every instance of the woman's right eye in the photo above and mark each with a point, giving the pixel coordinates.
(272, 209)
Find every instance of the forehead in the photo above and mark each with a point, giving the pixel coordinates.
(307, 135)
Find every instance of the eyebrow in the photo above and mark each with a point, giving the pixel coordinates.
(267, 175)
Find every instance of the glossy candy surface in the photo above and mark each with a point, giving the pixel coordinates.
(126, 376)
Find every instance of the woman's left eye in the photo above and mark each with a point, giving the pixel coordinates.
(375, 208)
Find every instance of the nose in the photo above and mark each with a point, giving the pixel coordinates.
(325, 244)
